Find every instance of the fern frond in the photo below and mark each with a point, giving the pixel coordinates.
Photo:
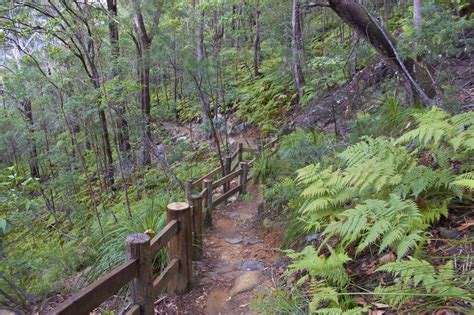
(464, 180)
(330, 269)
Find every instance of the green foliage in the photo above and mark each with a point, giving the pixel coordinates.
(280, 301)
(301, 148)
(395, 222)
(439, 38)
(419, 278)
(263, 100)
(147, 214)
(331, 269)
(267, 168)
(281, 194)
(385, 195)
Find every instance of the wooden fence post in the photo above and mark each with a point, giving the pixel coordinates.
(138, 247)
(197, 225)
(228, 167)
(208, 186)
(244, 169)
(259, 148)
(180, 246)
(241, 151)
(189, 189)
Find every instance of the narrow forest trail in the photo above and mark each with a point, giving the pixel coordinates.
(240, 262)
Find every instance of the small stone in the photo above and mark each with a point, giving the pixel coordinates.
(311, 237)
(232, 199)
(251, 265)
(446, 233)
(245, 282)
(251, 240)
(233, 240)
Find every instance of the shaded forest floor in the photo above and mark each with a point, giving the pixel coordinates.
(240, 262)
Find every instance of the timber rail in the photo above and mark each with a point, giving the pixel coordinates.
(182, 236)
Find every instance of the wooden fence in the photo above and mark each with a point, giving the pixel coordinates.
(182, 236)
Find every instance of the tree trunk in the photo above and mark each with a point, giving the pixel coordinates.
(256, 44)
(386, 12)
(33, 160)
(144, 43)
(358, 18)
(418, 15)
(123, 137)
(200, 57)
(297, 48)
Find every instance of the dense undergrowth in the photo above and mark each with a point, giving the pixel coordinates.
(51, 248)
(363, 206)
(376, 198)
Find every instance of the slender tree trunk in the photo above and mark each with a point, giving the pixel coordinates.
(297, 48)
(200, 57)
(123, 137)
(256, 43)
(33, 160)
(144, 43)
(386, 12)
(418, 15)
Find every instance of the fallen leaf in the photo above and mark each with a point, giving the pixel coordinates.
(466, 225)
(381, 305)
(360, 301)
(385, 259)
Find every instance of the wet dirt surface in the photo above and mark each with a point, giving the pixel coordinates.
(232, 274)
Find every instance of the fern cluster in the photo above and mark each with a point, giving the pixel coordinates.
(422, 279)
(384, 196)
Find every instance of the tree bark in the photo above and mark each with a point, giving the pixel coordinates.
(123, 136)
(256, 44)
(33, 160)
(297, 48)
(144, 43)
(418, 15)
(358, 18)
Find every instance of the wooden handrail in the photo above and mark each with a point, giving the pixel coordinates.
(159, 284)
(133, 310)
(162, 238)
(182, 233)
(199, 181)
(250, 150)
(225, 179)
(271, 143)
(225, 196)
(235, 154)
(99, 291)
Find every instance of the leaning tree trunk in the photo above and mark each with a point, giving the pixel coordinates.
(360, 20)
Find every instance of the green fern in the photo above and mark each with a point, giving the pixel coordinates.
(436, 125)
(464, 180)
(395, 222)
(417, 278)
(331, 268)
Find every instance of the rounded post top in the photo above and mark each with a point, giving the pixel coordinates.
(178, 206)
(138, 238)
(195, 196)
(207, 180)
